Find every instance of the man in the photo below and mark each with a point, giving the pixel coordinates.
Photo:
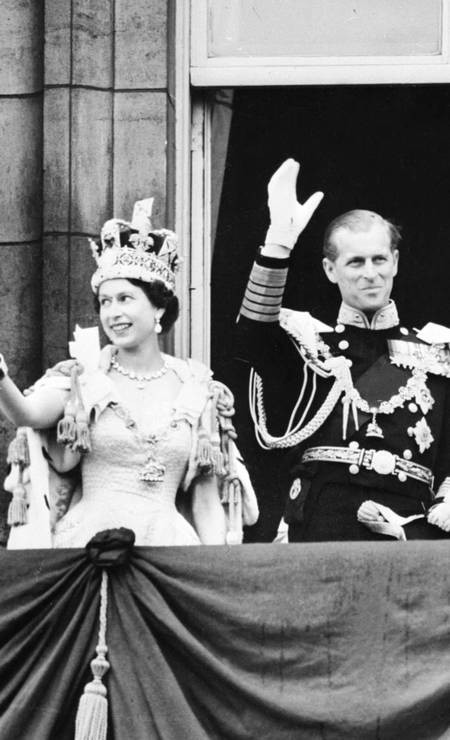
(364, 407)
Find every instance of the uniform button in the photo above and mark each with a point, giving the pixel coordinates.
(295, 489)
(343, 344)
(353, 469)
(412, 407)
(407, 454)
(404, 331)
(339, 328)
(402, 477)
(354, 445)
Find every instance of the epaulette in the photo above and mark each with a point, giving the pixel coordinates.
(304, 329)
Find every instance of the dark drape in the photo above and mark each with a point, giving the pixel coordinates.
(323, 641)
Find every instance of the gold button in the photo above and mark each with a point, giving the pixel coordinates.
(404, 331)
(339, 328)
(354, 445)
(402, 477)
(407, 454)
(353, 469)
(412, 407)
(343, 344)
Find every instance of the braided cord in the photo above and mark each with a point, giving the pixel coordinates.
(289, 439)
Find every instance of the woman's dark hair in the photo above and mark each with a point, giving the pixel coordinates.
(160, 297)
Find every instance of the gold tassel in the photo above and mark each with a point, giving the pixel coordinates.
(17, 509)
(92, 716)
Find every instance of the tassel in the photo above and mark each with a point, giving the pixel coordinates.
(66, 429)
(92, 716)
(234, 534)
(82, 441)
(22, 453)
(204, 452)
(18, 452)
(219, 465)
(17, 510)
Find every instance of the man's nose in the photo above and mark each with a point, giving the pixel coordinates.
(369, 270)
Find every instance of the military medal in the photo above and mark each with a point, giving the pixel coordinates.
(422, 434)
(374, 429)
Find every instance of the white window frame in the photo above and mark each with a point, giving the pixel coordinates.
(232, 71)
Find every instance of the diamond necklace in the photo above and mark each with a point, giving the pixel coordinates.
(140, 379)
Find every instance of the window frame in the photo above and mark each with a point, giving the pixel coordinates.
(233, 71)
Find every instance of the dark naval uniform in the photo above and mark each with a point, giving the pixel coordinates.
(369, 411)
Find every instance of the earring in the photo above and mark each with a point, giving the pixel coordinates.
(158, 327)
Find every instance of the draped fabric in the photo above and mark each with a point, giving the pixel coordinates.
(320, 641)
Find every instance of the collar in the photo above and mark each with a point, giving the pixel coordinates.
(384, 318)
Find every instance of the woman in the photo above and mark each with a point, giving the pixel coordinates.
(149, 434)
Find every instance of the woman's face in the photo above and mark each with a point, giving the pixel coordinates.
(127, 316)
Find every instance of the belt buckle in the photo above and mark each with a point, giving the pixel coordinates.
(383, 462)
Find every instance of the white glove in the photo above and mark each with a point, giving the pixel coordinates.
(381, 519)
(288, 217)
(439, 515)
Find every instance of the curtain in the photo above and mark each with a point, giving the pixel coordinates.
(221, 116)
(320, 641)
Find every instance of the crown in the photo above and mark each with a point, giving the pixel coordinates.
(135, 250)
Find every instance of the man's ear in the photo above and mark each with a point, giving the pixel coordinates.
(328, 266)
(396, 256)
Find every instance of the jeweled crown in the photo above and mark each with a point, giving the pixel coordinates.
(135, 250)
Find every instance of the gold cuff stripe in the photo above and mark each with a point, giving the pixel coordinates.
(259, 289)
(268, 275)
(261, 299)
(271, 317)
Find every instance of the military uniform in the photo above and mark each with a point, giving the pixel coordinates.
(368, 407)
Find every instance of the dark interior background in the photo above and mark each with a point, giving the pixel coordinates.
(384, 148)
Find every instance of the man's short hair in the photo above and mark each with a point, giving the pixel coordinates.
(357, 220)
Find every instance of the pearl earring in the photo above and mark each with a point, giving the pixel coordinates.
(158, 327)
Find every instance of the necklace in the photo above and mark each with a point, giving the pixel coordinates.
(140, 379)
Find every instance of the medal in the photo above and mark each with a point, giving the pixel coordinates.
(374, 429)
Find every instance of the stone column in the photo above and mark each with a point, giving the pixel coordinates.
(105, 132)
